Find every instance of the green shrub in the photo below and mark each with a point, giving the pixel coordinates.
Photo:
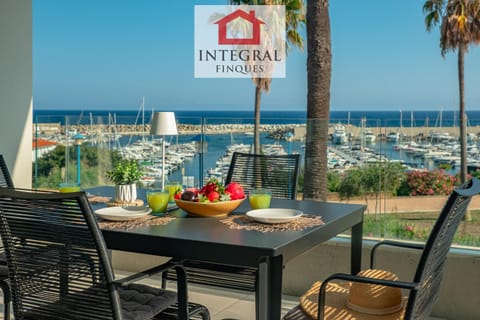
(436, 182)
(372, 179)
(333, 181)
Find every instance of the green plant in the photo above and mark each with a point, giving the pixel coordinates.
(333, 181)
(430, 182)
(125, 172)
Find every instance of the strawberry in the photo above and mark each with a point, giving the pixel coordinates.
(178, 196)
(235, 190)
(214, 191)
(213, 196)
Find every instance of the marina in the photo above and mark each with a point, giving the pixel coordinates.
(182, 158)
(353, 142)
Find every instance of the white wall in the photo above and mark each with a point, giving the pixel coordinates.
(16, 88)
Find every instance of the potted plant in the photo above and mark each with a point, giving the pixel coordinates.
(124, 175)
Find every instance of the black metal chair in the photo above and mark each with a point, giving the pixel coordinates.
(47, 283)
(423, 290)
(5, 178)
(279, 173)
(5, 181)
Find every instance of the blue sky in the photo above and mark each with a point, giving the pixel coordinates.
(107, 54)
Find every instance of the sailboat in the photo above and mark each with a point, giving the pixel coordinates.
(394, 136)
(439, 136)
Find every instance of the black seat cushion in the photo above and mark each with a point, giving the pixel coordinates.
(144, 302)
(138, 302)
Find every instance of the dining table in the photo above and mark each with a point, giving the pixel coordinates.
(208, 239)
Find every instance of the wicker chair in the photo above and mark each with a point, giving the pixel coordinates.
(5, 182)
(279, 173)
(51, 286)
(424, 289)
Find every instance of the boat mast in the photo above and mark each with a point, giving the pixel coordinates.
(411, 125)
(91, 131)
(401, 125)
(143, 118)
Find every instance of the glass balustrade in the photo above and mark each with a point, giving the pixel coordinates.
(368, 160)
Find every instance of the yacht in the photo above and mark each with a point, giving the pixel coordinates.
(393, 137)
(369, 136)
(440, 137)
(339, 135)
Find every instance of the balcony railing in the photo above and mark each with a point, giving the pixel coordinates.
(354, 144)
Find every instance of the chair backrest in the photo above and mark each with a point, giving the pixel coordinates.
(5, 178)
(431, 265)
(279, 173)
(43, 234)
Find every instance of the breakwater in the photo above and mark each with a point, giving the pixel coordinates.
(299, 130)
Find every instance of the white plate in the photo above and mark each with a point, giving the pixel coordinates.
(274, 215)
(122, 213)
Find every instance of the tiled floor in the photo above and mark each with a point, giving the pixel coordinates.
(222, 304)
(225, 304)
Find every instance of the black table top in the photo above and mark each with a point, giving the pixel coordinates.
(208, 239)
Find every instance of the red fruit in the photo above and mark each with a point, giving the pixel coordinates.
(177, 196)
(194, 190)
(209, 187)
(235, 190)
(213, 196)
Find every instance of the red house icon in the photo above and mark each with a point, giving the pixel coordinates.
(250, 17)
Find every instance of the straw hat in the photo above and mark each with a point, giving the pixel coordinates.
(357, 301)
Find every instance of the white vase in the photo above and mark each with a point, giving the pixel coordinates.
(126, 192)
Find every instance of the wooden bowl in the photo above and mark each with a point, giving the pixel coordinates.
(209, 209)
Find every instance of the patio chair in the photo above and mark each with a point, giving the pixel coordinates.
(279, 173)
(5, 178)
(422, 291)
(48, 286)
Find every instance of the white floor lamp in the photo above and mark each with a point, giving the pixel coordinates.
(164, 124)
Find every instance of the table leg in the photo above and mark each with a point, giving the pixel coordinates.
(268, 298)
(356, 248)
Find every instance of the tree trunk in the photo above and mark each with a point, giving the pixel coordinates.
(463, 122)
(256, 129)
(319, 69)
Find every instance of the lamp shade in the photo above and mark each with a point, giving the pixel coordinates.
(164, 124)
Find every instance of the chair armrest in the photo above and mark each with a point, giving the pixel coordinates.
(148, 273)
(405, 245)
(353, 278)
(383, 282)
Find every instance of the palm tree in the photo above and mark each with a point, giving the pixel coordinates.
(459, 28)
(294, 18)
(319, 69)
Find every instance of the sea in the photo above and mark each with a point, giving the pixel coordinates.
(381, 118)
(218, 144)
